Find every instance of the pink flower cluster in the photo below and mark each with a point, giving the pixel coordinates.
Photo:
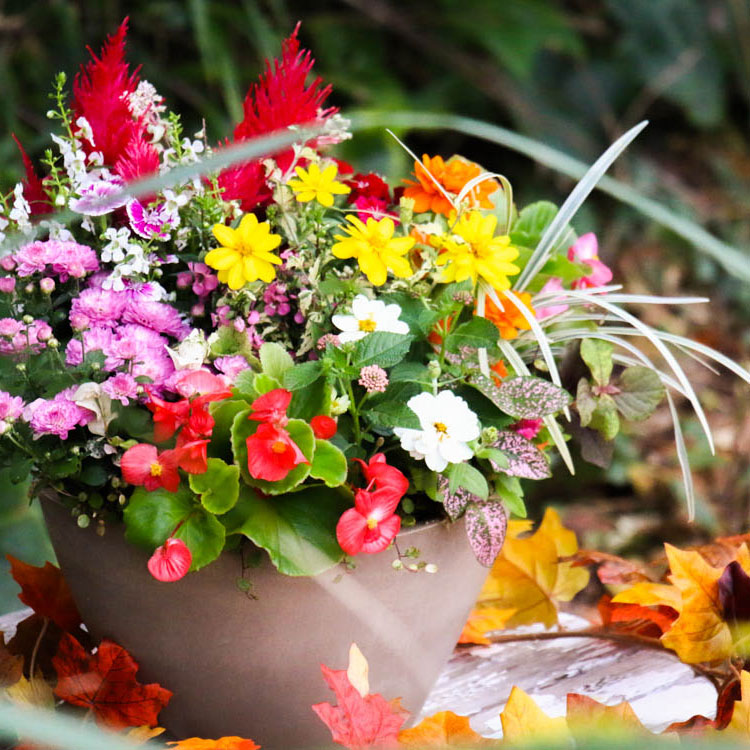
(53, 258)
(56, 416)
(231, 366)
(200, 278)
(247, 325)
(17, 337)
(11, 408)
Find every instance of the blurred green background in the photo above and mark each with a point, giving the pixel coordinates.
(573, 74)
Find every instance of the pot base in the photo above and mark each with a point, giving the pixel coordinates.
(248, 663)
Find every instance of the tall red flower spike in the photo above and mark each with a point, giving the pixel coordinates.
(100, 94)
(171, 561)
(272, 454)
(279, 99)
(144, 466)
(33, 187)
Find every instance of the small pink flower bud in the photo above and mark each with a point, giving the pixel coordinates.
(47, 285)
(7, 284)
(198, 310)
(7, 263)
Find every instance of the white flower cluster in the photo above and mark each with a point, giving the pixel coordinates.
(145, 102)
(130, 257)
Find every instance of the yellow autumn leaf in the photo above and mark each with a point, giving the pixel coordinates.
(700, 632)
(36, 692)
(443, 729)
(650, 595)
(740, 721)
(358, 670)
(139, 735)
(484, 620)
(587, 717)
(529, 577)
(523, 721)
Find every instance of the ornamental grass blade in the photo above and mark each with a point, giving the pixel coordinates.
(682, 455)
(572, 203)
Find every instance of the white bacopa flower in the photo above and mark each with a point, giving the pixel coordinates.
(447, 426)
(369, 315)
(191, 352)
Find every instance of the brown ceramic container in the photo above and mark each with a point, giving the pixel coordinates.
(250, 665)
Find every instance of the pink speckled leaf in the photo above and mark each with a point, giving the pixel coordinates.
(524, 397)
(456, 501)
(486, 524)
(524, 458)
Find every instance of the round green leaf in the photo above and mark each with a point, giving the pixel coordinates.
(150, 517)
(218, 486)
(204, 535)
(329, 464)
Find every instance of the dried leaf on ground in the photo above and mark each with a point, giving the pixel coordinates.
(529, 577)
(524, 721)
(587, 717)
(611, 569)
(443, 729)
(35, 692)
(106, 684)
(482, 621)
(650, 622)
(11, 665)
(223, 743)
(358, 721)
(139, 735)
(36, 629)
(46, 592)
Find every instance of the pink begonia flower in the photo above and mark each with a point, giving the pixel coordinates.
(171, 561)
(150, 223)
(99, 197)
(553, 285)
(528, 428)
(586, 250)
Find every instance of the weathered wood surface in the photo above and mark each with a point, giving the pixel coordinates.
(478, 679)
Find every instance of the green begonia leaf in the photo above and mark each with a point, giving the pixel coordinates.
(218, 487)
(329, 464)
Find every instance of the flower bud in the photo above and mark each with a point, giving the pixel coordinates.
(430, 568)
(433, 369)
(29, 288)
(28, 319)
(47, 285)
(7, 284)
(489, 435)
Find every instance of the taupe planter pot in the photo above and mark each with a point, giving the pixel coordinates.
(251, 666)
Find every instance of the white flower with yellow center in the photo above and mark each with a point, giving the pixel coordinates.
(447, 426)
(368, 315)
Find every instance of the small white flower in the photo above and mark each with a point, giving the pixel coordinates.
(85, 130)
(191, 352)
(339, 405)
(369, 315)
(21, 209)
(447, 426)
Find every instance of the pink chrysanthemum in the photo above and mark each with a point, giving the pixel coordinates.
(96, 307)
(11, 407)
(121, 387)
(57, 416)
(231, 365)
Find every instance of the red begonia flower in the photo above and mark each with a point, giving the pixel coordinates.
(171, 561)
(371, 525)
(272, 454)
(169, 416)
(200, 424)
(271, 407)
(192, 455)
(203, 385)
(323, 427)
(143, 465)
(384, 476)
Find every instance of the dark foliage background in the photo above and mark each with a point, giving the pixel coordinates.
(573, 74)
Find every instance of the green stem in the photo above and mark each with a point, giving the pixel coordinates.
(354, 411)
(18, 444)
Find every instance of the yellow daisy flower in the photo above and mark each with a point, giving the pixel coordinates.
(375, 248)
(481, 254)
(316, 185)
(245, 253)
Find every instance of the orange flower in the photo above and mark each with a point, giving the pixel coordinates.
(500, 370)
(452, 175)
(510, 320)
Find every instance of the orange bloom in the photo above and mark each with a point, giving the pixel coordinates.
(510, 320)
(452, 175)
(500, 370)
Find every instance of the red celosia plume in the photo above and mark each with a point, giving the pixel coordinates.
(280, 98)
(100, 94)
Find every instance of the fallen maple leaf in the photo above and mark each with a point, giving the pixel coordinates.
(524, 721)
(443, 729)
(11, 665)
(223, 743)
(529, 577)
(484, 620)
(587, 717)
(46, 592)
(35, 691)
(651, 595)
(700, 633)
(610, 569)
(358, 721)
(651, 622)
(739, 724)
(105, 683)
(39, 636)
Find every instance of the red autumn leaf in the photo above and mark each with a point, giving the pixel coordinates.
(651, 622)
(610, 568)
(358, 721)
(46, 592)
(105, 684)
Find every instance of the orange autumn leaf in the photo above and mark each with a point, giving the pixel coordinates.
(524, 721)
(651, 595)
(46, 592)
(528, 575)
(443, 729)
(587, 717)
(651, 622)
(139, 735)
(223, 743)
(105, 683)
(700, 633)
(482, 621)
